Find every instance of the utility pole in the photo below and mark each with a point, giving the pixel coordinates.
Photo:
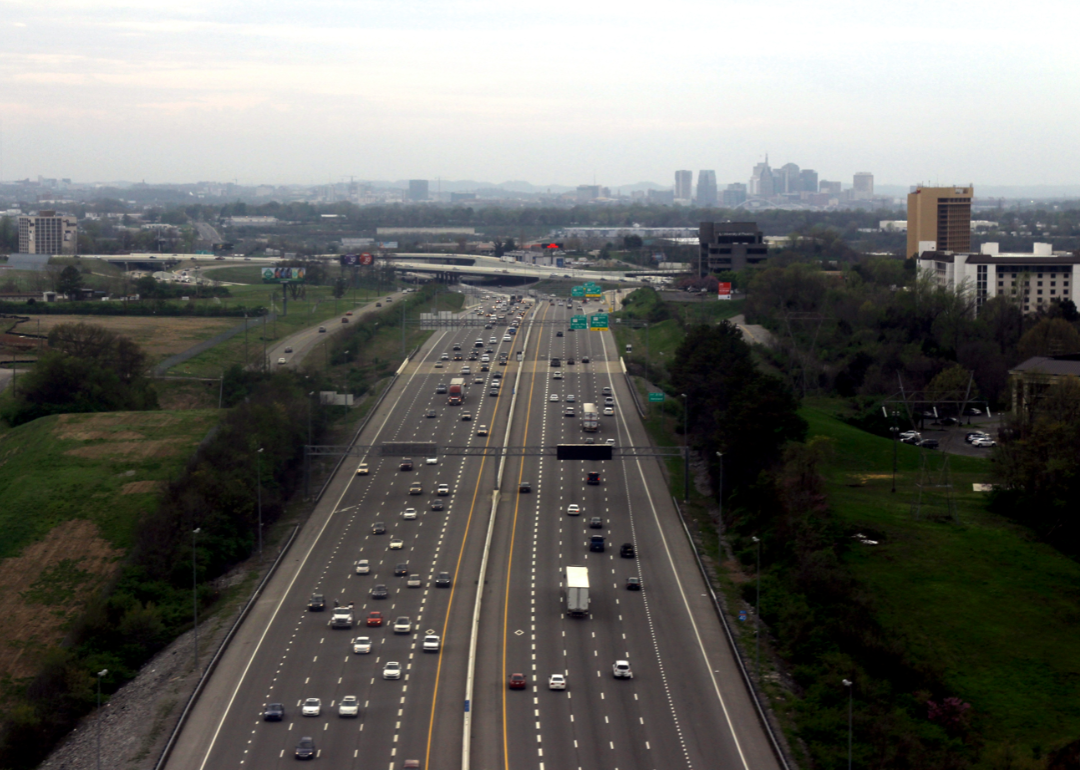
(757, 610)
(195, 595)
(686, 448)
(258, 461)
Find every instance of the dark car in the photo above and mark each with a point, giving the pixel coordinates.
(406, 464)
(593, 478)
(633, 584)
(440, 388)
(525, 486)
(379, 592)
(569, 362)
(928, 443)
(596, 523)
(558, 334)
(274, 712)
(430, 413)
(443, 580)
(517, 682)
(317, 603)
(627, 551)
(378, 528)
(305, 749)
(436, 504)
(596, 543)
(584, 359)
(401, 570)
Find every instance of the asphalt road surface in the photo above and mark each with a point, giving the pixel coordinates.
(684, 707)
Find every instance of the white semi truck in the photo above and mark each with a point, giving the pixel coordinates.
(577, 591)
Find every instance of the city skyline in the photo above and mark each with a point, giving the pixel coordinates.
(130, 89)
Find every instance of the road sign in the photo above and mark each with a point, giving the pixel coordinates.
(283, 274)
(577, 322)
(656, 398)
(577, 291)
(723, 291)
(598, 322)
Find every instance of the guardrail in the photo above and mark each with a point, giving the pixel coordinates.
(212, 665)
(750, 685)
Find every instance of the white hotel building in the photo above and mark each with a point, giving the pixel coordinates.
(1032, 281)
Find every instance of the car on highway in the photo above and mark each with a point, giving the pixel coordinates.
(558, 334)
(288, 350)
(593, 478)
(322, 330)
(444, 357)
(440, 388)
(414, 581)
(610, 442)
(408, 513)
(436, 504)
(596, 523)
(609, 411)
(401, 570)
(396, 544)
(633, 584)
(442, 490)
(480, 380)
(569, 412)
(443, 580)
(378, 304)
(374, 619)
(570, 398)
(344, 320)
(431, 413)
(573, 509)
(431, 643)
(431, 461)
(621, 669)
(524, 486)
(402, 625)
(392, 670)
(627, 551)
(362, 469)
(305, 748)
(569, 362)
(596, 543)
(406, 464)
(556, 682)
(606, 391)
(466, 416)
(349, 707)
(507, 338)
(517, 682)
(312, 707)
(438, 364)
(274, 712)
(317, 603)
(378, 528)
(416, 489)
(281, 361)
(553, 397)
(361, 645)
(458, 357)
(609, 401)
(585, 359)
(362, 567)
(557, 376)
(379, 591)
(466, 370)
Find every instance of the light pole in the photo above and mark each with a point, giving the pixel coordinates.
(895, 430)
(258, 485)
(195, 595)
(757, 611)
(720, 499)
(686, 448)
(103, 672)
(847, 684)
(309, 395)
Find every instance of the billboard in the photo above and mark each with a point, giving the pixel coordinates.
(367, 260)
(723, 291)
(283, 274)
(350, 260)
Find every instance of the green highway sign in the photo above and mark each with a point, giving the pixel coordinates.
(577, 291)
(655, 398)
(598, 322)
(577, 322)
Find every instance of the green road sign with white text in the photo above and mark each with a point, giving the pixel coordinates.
(655, 398)
(577, 322)
(577, 291)
(598, 322)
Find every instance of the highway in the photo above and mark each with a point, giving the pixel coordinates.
(686, 705)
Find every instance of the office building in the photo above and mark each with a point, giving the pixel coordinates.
(587, 192)
(786, 179)
(684, 183)
(761, 181)
(729, 246)
(418, 190)
(862, 187)
(706, 188)
(1031, 281)
(47, 232)
(808, 180)
(830, 188)
(661, 197)
(733, 195)
(939, 219)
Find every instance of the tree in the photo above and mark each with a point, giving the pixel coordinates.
(1049, 337)
(70, 281)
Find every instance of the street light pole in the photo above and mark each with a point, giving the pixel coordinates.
(720, 499)
(195, 595)
(895, 430)
(847, 684)
(103, 672)
(757, 610)
(686, 448)
(258, 461)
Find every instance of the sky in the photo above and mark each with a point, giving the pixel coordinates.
(549, 91)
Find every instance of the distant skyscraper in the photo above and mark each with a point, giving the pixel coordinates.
(939, 219)
(588, 192)
(706, 188)
(46, 232)
(684, 182)
(863, 185)
(786, 179)
(418, 190)
(832, 188)
(808, 180)
(734, 195)
(761, 181)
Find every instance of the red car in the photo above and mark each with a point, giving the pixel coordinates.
(517, 682)
(374, 619)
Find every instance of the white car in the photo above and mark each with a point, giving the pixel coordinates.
(402, 625)
(985, 443)
(349, 707)
(392, 670)
(557, 376)
(362, 567)
(621, 669)
(396, 544)
(361, 645)
(554, 397)
(281, 361)
(506, 338)
(431, 643)
(573, 509)
(312, 707)
(610, 442)
(442, 490)
(609, 412)
(431, 461)
(570, 398)
(556, 682)
(409, 513)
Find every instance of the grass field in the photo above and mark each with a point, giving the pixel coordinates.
(74, 488)
(994, 608)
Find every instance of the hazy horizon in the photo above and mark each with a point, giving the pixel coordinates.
(568, 94)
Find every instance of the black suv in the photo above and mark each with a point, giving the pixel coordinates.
(401, 570)
(442, 580)
(627, 551)
(317, 603)
(378, 528)
(305, 749)
(596, 543)
(274, 712)
(406, 464)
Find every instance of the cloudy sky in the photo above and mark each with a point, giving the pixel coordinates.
(549, 91)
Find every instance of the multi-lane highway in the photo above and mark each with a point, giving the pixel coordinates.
(685, 705)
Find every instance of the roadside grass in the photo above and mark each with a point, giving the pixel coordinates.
(977, 596)
(86, 466)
